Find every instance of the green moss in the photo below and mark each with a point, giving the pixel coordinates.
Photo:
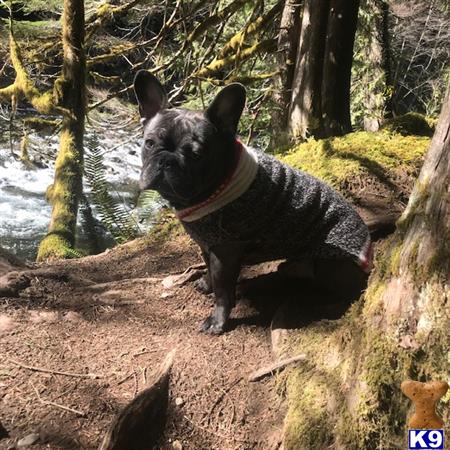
(311, 390)
(409, 124)
(395, 258)
(55, 246)
(40, 29)
(167, 227)
(63, 195)
(416, 206)
(307, 425)
(23, 85)
(39, 123)
(339, 160)
(359, 367)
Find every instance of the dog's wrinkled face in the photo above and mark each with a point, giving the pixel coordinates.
(186, 154)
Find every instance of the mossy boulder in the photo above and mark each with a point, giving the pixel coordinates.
(375, 171)
(409, 124)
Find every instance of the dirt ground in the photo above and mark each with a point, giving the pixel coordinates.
(120, 332)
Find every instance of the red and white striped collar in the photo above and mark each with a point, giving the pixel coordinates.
(233, 187)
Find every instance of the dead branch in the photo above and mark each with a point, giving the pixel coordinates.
(273, 368)
(221, 16)
(57, 405)
(54, 372)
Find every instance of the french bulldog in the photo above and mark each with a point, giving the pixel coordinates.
(241, 205)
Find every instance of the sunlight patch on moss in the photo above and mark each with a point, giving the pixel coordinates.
(338, 159)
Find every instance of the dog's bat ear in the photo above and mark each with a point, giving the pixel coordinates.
(150, 94)
(226, 109)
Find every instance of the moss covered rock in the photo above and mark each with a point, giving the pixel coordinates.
(338, 160)
(409, 124)
(375, 171)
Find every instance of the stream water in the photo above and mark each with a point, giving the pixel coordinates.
(24, 212)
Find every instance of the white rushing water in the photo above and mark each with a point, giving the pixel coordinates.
(24, 212)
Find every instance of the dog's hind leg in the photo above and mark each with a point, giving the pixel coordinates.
(224, 268)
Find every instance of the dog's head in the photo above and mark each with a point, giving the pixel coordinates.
(186, 154)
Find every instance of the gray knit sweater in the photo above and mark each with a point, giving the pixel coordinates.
(285, 213)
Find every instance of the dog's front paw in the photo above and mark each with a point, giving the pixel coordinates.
(203, 285)
(213, 325)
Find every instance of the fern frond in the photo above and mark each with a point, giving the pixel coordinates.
(112, 214)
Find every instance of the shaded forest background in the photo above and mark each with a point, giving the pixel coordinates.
(390, 59)
(400, 54)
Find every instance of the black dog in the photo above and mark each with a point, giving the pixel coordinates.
(239, 204)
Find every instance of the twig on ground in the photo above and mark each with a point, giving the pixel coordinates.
(136, 384)
(270, 370)
(194, 267)
(127, 377)
(222, 395)
(144, 376)
(190, 274)
(55, 372)
(143, 352)
(57, 405)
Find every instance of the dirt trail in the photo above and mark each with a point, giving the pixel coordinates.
(122, 337)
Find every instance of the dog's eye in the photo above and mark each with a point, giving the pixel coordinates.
(191, 151)
(149, 143)
(186, 149)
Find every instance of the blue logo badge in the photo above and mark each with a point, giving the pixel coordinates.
(426, 439)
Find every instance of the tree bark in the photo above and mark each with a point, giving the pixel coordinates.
(376, 78)
(337, 66)
(66, 190)
(287, 50)
(349, 385)
(320, 101)
(304, 111)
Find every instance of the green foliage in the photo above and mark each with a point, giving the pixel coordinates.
(43, 6)
(147, 207)
(115, 216)
(116, 219)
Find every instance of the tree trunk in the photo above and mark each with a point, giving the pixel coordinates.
(337, 66)
(66, 190)
(287, 50)
(320, 101)
(376, 79)
(304, 111)
(350, 388)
